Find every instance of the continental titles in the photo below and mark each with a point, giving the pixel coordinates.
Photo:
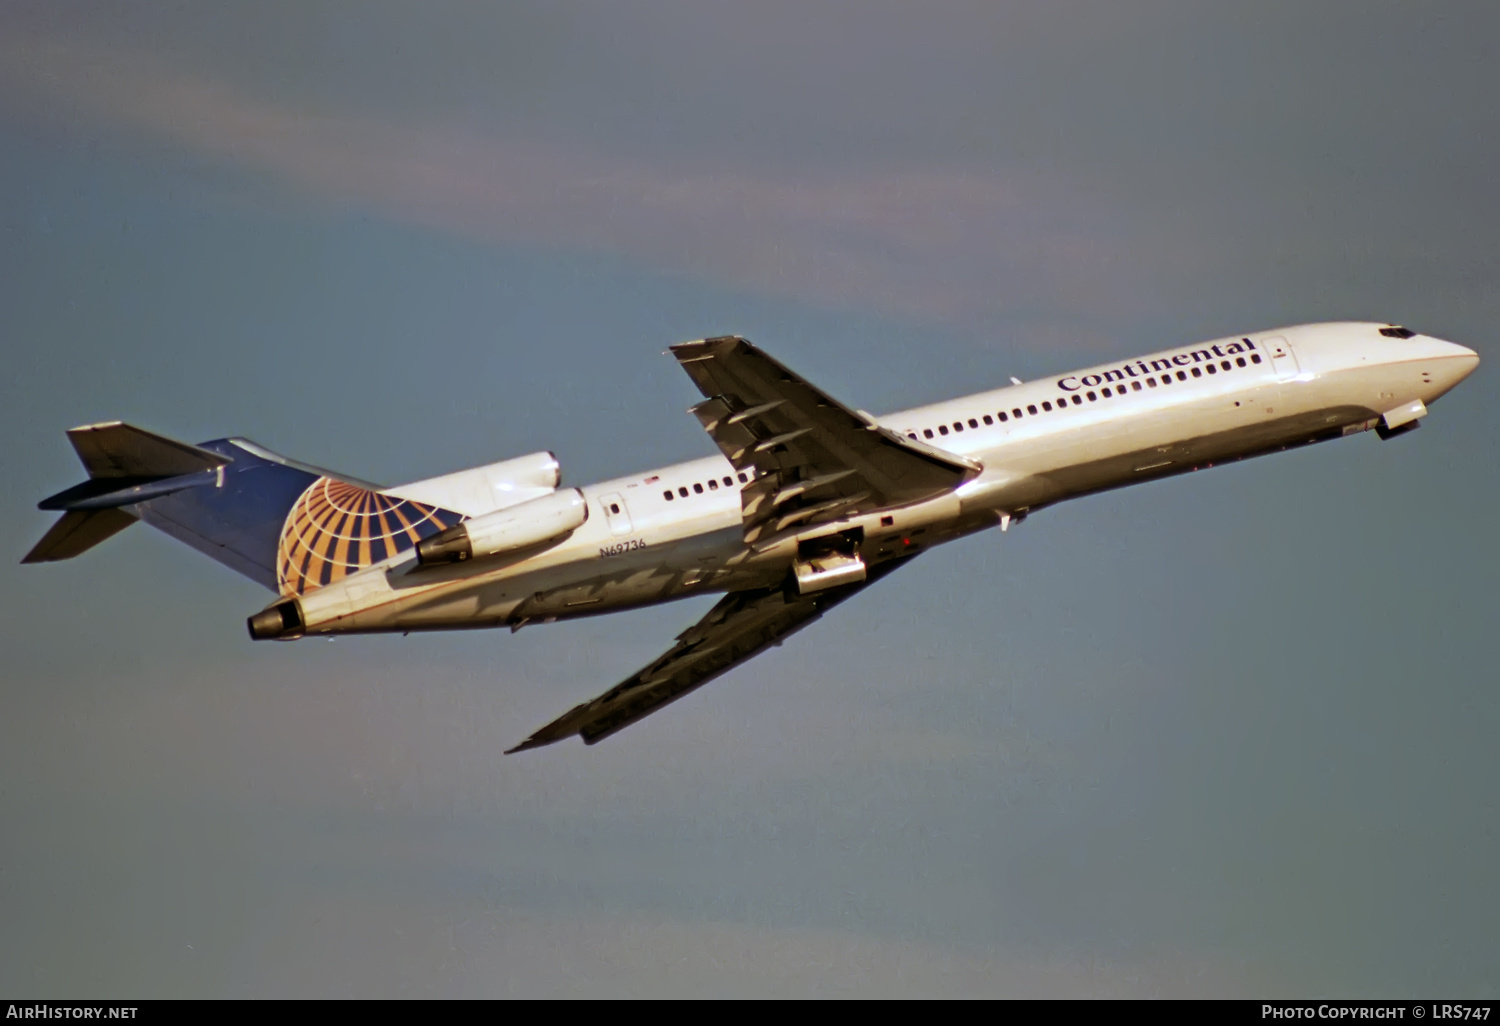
(1143, 368)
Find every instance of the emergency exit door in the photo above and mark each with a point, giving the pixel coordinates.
(616, 513)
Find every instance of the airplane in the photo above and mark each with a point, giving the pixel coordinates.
(807, 503)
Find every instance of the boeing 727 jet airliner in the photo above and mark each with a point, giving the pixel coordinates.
(808, 502)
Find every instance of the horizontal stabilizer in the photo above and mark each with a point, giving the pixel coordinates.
(76, 533)
(121, 450)
(126, 466)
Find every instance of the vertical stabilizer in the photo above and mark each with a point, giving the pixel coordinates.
(288, 526)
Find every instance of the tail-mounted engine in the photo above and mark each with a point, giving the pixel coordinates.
(507, 530)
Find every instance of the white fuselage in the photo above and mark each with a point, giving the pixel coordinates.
(1039, 443)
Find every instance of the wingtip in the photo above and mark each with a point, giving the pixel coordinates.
(532, 742)
(99, 426)
(698, 343)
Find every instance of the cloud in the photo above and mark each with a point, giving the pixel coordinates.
(914, 239)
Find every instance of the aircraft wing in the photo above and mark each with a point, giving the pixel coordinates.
(815, 459)
(742, 625)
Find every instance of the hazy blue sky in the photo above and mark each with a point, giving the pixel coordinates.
(1232, 734)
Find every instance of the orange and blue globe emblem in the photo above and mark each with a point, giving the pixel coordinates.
(335, 528)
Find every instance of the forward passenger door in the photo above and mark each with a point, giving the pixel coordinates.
(1283, 358)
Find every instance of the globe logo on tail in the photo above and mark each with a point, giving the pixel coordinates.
(335, 528)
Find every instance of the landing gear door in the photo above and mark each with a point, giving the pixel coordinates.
(616, 512)
(1283, 359)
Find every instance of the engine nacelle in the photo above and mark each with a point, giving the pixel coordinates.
(517, 527)
(480, 490)
(283, 621)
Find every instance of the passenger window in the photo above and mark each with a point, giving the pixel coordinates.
(1106, 392)
(988, 420)
(974, 423)
(713, 485)
(1182, 375)
(1212, 369)
(1227, 365)
(698, 488)
(912, 435)
(942, 429)
(682, 492)
(667, 495)
(1093, 397)
(927, 432)
(1078, 400)
(1255, 358)
(1047, 406)
(742, 477)
(1135, 386)
(729, 482)
(1016, 413)
(1239, 361)
(614, 507)
(958, 425)
(1150, 382)
(1031, 410)
(1002, 416)
(1197, 373)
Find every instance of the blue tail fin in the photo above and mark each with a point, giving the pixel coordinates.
(290, 527)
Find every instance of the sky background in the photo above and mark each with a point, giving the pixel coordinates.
(1231, 734)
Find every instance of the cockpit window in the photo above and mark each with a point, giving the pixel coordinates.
(1395, 331)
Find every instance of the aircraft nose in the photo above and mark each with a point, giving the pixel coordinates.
(1449, 364)
(1465, 360)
